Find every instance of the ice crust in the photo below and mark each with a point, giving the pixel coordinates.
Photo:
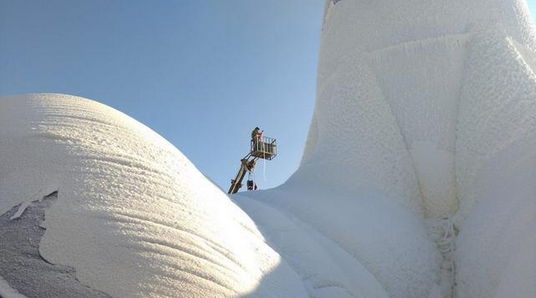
(449, 87)
(417, 180)
(414, 74)
(133, 217)
(366, 246)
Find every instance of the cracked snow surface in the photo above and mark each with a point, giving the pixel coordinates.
(21, 265)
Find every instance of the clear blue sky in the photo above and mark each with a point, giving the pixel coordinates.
(201, 73)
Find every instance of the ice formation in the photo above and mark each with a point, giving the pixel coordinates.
(133, 217)
(417, 180)
(433, 104)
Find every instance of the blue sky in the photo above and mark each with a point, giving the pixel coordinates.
(201, 73)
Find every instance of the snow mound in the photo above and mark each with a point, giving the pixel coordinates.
(417, 180)
(133, 217)
(360, 244)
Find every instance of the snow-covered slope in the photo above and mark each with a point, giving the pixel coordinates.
(417, 178)
(332, 239)
(133, 217)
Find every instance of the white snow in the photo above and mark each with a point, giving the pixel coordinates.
(497, 112)
(344, 239)
(418, 178)
(455, 81)
(497, 244)
(133, 217)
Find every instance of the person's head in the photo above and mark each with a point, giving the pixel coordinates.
(256, 128)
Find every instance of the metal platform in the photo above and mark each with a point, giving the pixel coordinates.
(265, 148)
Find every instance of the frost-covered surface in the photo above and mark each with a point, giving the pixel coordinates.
(365, 245)
(417, 180)
(408, 83)
(133, 218)
(497, 112)
(496, 247)
(433, 105)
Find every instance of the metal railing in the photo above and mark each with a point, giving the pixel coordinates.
(264, 147)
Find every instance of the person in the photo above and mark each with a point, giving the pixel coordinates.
(255, 134)
(256, 138)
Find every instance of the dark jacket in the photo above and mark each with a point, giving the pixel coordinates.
(254, 134)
